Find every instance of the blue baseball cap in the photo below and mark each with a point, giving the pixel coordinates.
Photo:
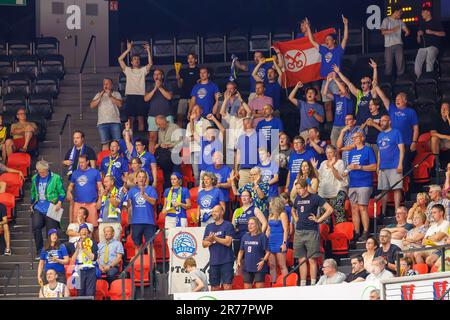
(83, 225)
(52, 231)
(177, 174)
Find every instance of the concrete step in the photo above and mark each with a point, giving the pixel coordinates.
(23, 281)
(15, 258)
(25, 289)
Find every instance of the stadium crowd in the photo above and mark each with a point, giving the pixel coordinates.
(259, 193)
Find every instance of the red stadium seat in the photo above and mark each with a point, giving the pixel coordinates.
(9, 201)
(434, 269)
(73, 291)
(422, 172)
(423, 143)
(124, 219)
(324, 231)
(268, 281)
(188, 174)
(161, 220)
(348, 210)
(14, 183)
(158, 245)
(371, 208)
(129, 247)
(101, 289)
(146, 271)
(238, 283)
(193, 193)
(100, 156)
(291, 281)
(190, 214)
(421, 268)
(289, 258)
(115, 289)
(342, 234)
(20, 161)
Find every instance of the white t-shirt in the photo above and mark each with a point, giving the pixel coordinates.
(235, 130)
(76, 227)
(396, 37)
(108, 112)
(135, 81)
(435, 229)
(329, 186)
(385, 274)
(200, 127)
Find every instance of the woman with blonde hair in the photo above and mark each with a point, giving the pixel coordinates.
(420, 206)
(254, 251)
(278, 234)
(209, 197)
(414, 237)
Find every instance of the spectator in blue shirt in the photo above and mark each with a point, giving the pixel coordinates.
(262, 71)
(273, 83)
(115, 165)
(311, 113)
(391, 151)
(141, 200)
(343, 105)
(405, 120)
(176, 201)
(296, 158)
(269, 129)
(345, 141)
(218, 238)
(362, 164)
(254, 251)
(53, 256)
(331, 55)
(222, 173)
(269, 171)
(205, 94)
(110, 253)
(246, 152)
(208, 198)
(86, 185)
(139, 150)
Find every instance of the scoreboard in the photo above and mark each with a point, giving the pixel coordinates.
(411, 9)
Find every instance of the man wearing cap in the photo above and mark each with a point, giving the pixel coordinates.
(435, 194)
(110, 253)
(46, 189)
(85, 256)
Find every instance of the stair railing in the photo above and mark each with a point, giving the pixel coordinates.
(12, 270)
(67, 119)
(297, 267)
(80, 80)
(384, 193)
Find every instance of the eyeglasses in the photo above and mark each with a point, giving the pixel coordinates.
(365, 82)
(21, 113)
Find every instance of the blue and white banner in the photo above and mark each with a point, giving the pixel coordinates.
(185, 243)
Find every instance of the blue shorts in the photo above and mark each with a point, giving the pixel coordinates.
(151, 121)
(109, 132)
(221, 274)
(139, 230)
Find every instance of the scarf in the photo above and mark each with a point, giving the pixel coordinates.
(72, 158)
(233, 74)
(3, 135)
(111, 163)
(169, 207)
(113, 212)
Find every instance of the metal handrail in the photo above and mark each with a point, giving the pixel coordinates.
(80, 80)
(435, 248)
(298, 267)
(385, 192)
(445, 294)
(68, 119)
(140, 255)
(11, 272)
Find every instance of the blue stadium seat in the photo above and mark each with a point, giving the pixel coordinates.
(214, 46)
(19, 83)
(6, 67)
(187, 43)
(27, 65)
(444, 68)
(138, 47)
(53, 65)
(13, 102)
(260, 40)
(46, 45)
(122, 83)
(237, 43)
(282, 35)
(47, 84)
(3, 48)
(406, 86)
(163, 46)
(41, 104)
(444, 88)
(19, 48)
(427, 90)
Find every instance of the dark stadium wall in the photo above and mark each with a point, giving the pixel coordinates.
(18, 22)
